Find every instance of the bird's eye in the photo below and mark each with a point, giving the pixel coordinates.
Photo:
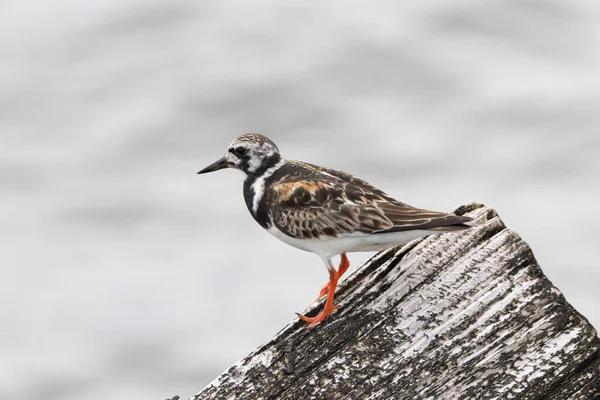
(240, 151)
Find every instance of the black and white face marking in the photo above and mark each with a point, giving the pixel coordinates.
(253, 154)
(256, 156)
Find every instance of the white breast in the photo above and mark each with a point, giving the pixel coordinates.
(329, 247)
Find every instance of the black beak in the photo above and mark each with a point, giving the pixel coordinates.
(220, 164)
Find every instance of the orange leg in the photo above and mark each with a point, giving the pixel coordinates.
(329, 307)
(344, 265)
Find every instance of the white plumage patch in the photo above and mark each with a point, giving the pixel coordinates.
(328, 247)
(259, 185)
(254, 163)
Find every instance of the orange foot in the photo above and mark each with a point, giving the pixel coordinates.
(329, 307)
(344, 265)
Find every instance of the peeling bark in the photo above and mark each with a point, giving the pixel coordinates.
(467, 315)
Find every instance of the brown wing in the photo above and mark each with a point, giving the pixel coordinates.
(334, 207)
(405, 218)
(357, 187)
(312, 209)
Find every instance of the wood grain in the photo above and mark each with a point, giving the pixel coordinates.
(468, 315)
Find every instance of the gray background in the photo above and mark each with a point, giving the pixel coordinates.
(125, 275)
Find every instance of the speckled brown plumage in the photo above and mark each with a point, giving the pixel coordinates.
(306, 201)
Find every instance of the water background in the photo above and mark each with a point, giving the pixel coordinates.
(125, 275)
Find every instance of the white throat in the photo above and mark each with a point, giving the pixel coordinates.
(259, 184)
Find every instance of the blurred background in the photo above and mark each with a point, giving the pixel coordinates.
(123, 274)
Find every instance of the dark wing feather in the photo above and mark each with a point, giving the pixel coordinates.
(406, 218)
(312, 209)
(336, 204)
(356, 188)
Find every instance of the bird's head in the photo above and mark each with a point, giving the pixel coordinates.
(250, 153)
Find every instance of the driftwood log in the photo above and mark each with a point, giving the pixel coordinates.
(454, 316)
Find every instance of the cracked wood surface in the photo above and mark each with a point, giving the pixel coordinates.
(468, 315)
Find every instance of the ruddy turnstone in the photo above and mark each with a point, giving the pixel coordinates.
(324, 211)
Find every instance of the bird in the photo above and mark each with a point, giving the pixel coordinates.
(323, 210)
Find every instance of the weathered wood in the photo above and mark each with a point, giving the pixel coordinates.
(455, 316)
